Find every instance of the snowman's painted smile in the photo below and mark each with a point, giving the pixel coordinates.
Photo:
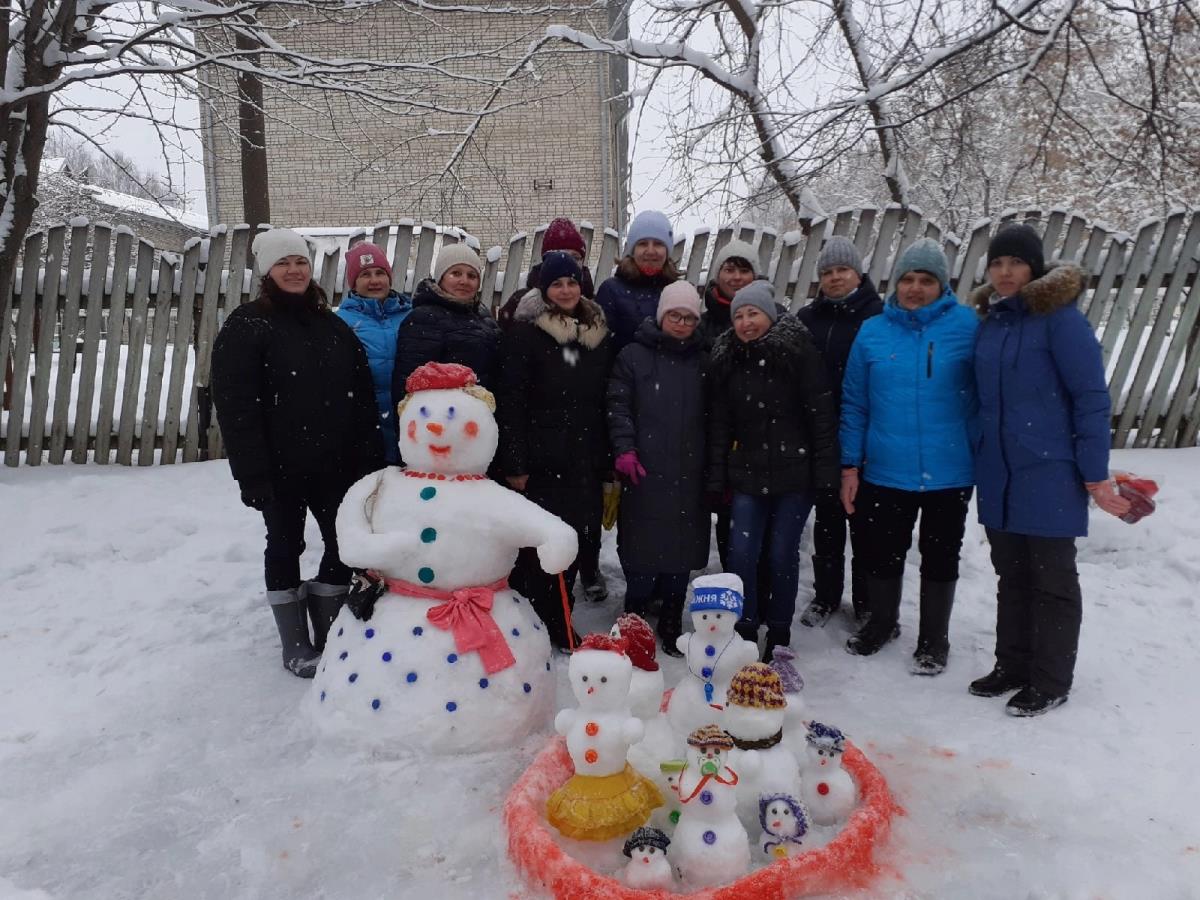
(440, 451)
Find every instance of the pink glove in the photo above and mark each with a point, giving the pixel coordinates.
(627, 464)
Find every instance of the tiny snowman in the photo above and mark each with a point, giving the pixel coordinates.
(671, 769)
(648, 868)
(784, 822)
(646, 689)
(827, 789)
(713, 652)
(783, 661)
(754, 714)
(606, 797)
(710, 845)
(448, 659)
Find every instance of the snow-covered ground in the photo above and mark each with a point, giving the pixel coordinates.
(151, 744)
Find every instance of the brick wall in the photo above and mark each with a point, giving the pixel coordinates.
(338, 160)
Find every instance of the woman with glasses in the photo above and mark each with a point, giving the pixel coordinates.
(656, 423)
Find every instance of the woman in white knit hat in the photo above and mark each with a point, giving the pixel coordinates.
(448, 324)
(296, 407)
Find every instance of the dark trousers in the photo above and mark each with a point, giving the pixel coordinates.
(886, 520)
(285, 516)
(1039, 608)
(588, 560)
(776, 522)
(641, 587)
(581, 506)
(829, 554)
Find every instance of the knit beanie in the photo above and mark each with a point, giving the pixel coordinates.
(270, 247)
(759, 294)
(562, 234)
(839, 251)
(646, 837)
(924, 255)
(555, 265)
(734, 250)
(365, 256)
(452, 255)
(756, 685)
(678, 295)
(652, 225)
(640, 643)
(710, 736)
(1022, 242)
(825, 736)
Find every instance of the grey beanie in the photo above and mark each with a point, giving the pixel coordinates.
(271, 246)
(452, 255)
(925, 255)
(759, 294)
(839, 251)
(734, 250)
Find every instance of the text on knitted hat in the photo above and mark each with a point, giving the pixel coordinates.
(721, 599)
(365, 256)
(839, 250)
(271, 246)
(561, 234)
(925, 255)
(649, 225)
(678, 295)
(452, 255)
(761, 295)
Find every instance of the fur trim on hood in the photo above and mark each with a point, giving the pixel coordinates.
(1060, 286)
(565, 329)
(780, 347)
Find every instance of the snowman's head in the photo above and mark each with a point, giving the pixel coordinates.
(825, 745)
(446, 421)
(646, 845)
(600, 674)
(782, 815)
(716, 605)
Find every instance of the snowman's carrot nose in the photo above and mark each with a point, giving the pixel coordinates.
(435, 428)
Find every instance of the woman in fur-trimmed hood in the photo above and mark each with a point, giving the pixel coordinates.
(1042, 447)
(554, 365)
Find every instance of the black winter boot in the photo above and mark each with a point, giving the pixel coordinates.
(1031, 701)
(777, 636)
(324, 603)
(670, 625)
(997, 682)
(818, 611)
(933, 640)
(299, 658)
(828, 583)
(883, 597)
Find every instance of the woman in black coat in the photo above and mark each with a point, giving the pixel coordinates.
(656, 422)
(448, 324)
(773, 445)
(554, 365)
(294, 400)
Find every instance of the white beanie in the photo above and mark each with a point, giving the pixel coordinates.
(678, 295)
(452, 255)
(270, 247)
(734, 250)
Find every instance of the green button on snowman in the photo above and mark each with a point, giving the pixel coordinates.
(451, 660)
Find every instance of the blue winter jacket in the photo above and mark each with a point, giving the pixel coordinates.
(1044, 409)
(627, 301)
(908, 397)
(375, 323)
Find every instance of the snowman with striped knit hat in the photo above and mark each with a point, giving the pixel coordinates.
(755, 710)
(439, 655)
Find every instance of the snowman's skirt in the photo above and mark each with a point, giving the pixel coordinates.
(602, 807)
(397, 681)
(546, 860)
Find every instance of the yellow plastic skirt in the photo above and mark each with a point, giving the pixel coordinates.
(600, 807)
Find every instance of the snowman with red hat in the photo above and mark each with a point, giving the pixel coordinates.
(437, 653)
(646, 689)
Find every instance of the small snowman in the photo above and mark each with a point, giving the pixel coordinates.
(606, 797)
(713, 651)
(754, 715)
(783, 661)
(648, 868)
(670, 770)
(646, 690)
(710, 845)
(448, 659)
(827, 790)
(784, 822)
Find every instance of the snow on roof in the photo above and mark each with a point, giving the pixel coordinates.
(142, 206)
(54, 164)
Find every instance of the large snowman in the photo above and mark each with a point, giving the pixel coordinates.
(451, 660)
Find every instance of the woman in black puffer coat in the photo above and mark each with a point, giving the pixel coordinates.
(448, 324)
(294, 400)
(656, 421)
(773, 444)
(554, 365)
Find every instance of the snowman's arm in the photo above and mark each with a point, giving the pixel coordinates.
(564, 720)
(528, 525)
(745, 653)
(683, 642)
(633, 730)
(358, 545)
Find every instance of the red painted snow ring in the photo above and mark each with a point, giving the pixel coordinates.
(845, 862)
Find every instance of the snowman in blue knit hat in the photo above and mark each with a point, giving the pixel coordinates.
(714, 652)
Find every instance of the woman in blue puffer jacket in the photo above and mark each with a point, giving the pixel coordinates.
(374, 311)
(908, 409)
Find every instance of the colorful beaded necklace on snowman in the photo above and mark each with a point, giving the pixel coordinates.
(708, 685)
(437, 476)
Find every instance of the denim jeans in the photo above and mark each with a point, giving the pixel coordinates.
(641, 587)
(778, 521)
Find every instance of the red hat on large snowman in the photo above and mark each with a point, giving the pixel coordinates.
(638, 638)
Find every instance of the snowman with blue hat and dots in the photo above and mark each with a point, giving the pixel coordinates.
(828, 791)
(448, 658)
(713, 651)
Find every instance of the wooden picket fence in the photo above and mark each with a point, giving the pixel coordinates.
(107, 345)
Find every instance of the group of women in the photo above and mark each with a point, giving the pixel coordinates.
(875, 413)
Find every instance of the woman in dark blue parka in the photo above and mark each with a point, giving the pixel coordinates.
(1042, 448)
